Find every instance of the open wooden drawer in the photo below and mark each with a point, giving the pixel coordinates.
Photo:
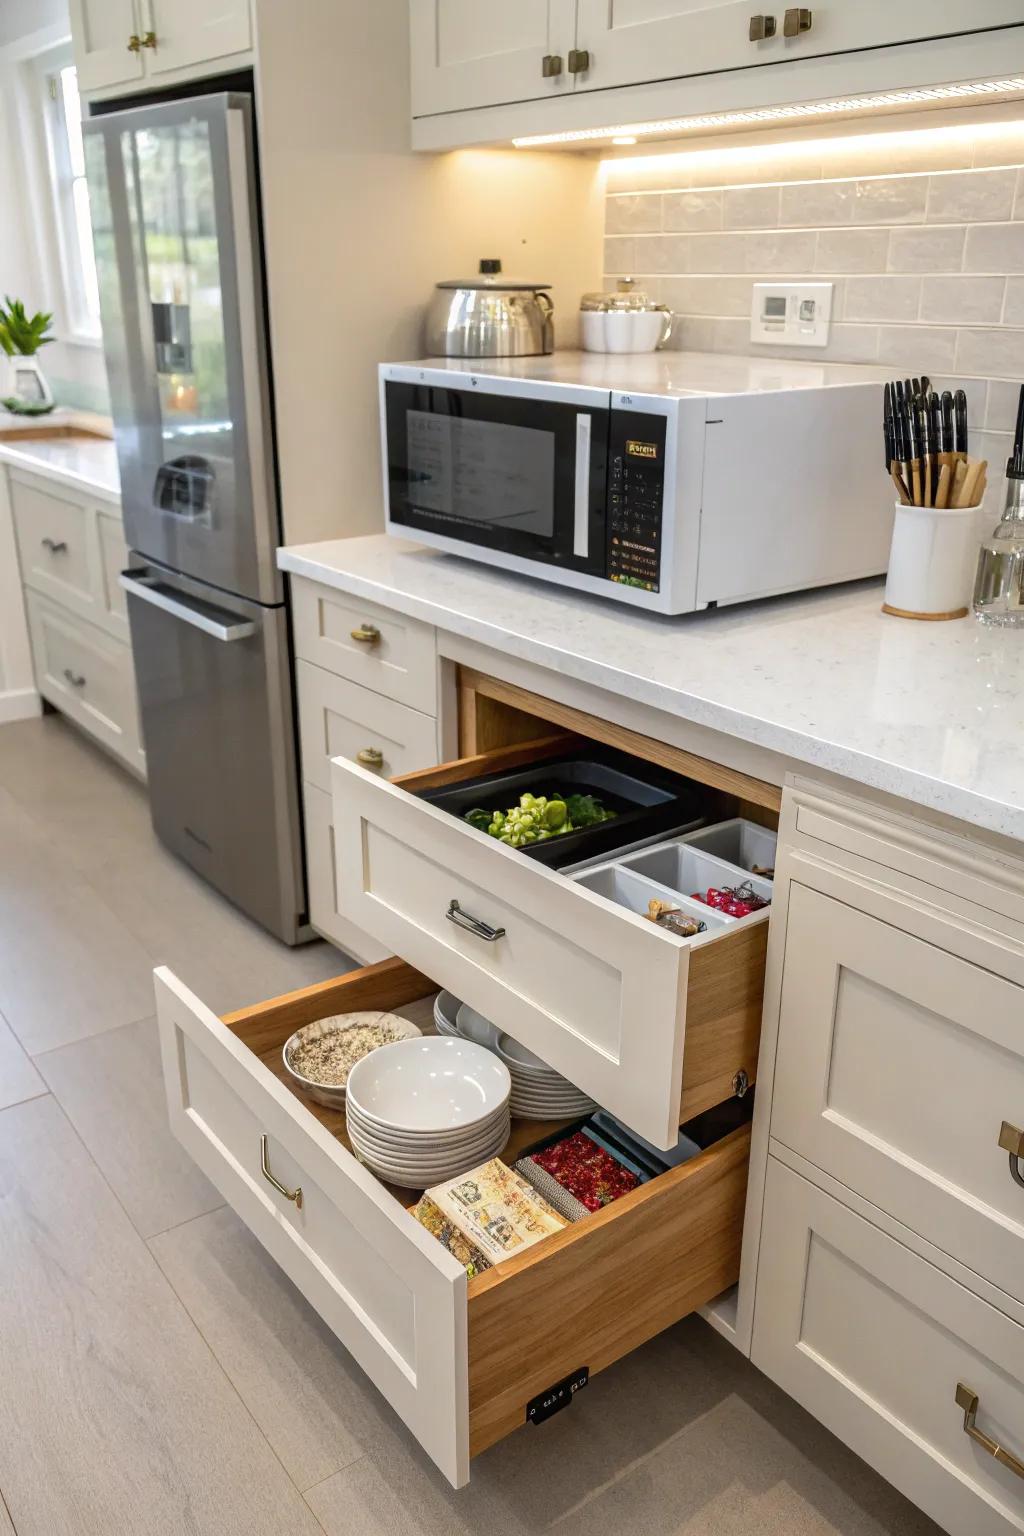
(458, 1360)
(652, 1026)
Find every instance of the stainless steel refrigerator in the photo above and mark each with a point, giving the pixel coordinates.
(176, 233)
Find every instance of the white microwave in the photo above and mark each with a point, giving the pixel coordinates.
(673, 481)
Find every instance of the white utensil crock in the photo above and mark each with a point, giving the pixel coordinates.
(635, 330)
(931, 562)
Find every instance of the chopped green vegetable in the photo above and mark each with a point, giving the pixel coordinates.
(539, 817)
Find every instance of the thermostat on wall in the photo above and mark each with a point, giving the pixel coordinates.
(791, 314)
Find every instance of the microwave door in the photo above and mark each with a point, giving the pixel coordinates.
(518, 474)
(191, 406)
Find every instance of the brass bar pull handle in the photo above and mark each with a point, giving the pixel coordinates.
(289, 1194)
(968, 1401)
(579, 61)
(370, 757)
(473, 925)
(366, 634)
(798, 19)
(1011, 1139)
(761, 27)
(551, 66)
(55, 546)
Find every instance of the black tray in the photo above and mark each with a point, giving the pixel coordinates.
(646, 800)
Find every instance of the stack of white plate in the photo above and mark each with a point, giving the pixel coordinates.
(538, 1091)
(446, 1009)
(423, 1111)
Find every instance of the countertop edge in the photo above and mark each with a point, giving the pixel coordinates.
(19, 456)
(859, 767)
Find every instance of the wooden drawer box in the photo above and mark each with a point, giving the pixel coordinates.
(652, 1026)
(340, 719)
(376, 647)
(874, 1341)
(898, 1062)
(458, 1360)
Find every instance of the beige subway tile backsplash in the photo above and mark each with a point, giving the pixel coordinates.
(962, 300)
(971, 196)
(922, 236)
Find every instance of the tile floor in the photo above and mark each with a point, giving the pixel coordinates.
(160, 1377)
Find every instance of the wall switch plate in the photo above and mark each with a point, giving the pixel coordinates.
(791, 314)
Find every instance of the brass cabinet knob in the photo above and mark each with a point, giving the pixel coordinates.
(370, 757)
(551, 65)
(366, 634)
(579, 60)
(796, 21)
(134, 43)
(149, 40)
(760, 28)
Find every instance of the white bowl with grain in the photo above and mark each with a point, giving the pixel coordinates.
(319, 1057)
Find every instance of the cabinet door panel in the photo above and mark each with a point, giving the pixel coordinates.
(474, 53)
(101, 30)
(636, 40)
(191, 32)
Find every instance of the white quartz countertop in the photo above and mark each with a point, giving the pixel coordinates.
(87, 463)
(932, 713)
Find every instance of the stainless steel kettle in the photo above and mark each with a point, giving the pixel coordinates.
(488, 316)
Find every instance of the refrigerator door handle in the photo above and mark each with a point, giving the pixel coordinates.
(144, 586)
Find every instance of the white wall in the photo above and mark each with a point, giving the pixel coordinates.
(359, 229)
(29, 262)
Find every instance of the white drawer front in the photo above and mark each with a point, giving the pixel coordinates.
(86, 673)
(399, 660)
(897, 1064)
(321, 882)
(340, 719)
(53, 544)
(395, 1297)
(874, 1340)
(597, 991)
(112, 560)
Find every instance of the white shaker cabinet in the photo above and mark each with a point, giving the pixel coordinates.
(472, 53)
(125, 43)
(190, 33)
(103, 32)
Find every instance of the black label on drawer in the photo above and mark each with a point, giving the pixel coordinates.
(557, 1397)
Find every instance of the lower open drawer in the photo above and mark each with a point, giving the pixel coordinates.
(458, 1360)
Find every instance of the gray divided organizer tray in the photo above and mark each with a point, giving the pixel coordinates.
(738, 842)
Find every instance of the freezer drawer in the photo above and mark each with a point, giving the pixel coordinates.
(217, 723)
(458, 1360)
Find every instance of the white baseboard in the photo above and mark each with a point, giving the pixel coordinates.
(19, 704)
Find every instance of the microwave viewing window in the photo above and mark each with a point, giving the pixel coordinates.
(486, 473)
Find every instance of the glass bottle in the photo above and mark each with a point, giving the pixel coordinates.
(999, 584)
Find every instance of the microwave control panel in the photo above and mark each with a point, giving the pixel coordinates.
(636, 494)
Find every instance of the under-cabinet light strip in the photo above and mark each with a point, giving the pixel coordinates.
(797, 112)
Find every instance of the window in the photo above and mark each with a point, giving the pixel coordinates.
(71, 196)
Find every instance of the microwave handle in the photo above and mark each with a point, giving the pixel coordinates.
(581, 508)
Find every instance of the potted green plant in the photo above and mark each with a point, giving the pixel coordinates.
(26, 389)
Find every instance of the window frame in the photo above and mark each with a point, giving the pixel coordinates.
(81, 325)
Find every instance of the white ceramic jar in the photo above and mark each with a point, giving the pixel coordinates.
(931, 562)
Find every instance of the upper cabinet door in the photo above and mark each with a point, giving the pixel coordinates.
(187, 33)
(106, 39)
(475, 53)
(630, 41)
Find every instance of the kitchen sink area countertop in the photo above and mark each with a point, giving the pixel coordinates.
(930, 713)
(78, 459)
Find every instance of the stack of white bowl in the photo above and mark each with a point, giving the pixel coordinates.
(446, 1012)
(423, 1111)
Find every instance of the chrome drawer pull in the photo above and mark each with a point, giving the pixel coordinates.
(366, 634)
(289, 1194)
(76, 680)
(473, 925)
(55, 546)
(968, 1401)
(1012, 1140)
